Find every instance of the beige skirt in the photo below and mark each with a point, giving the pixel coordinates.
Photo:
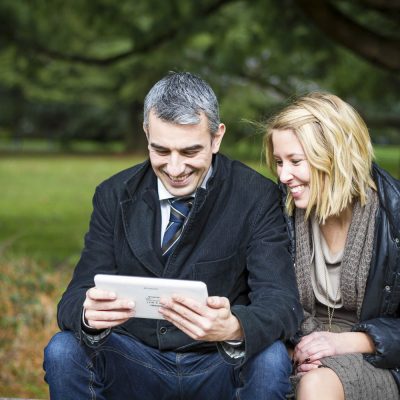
(361, 380)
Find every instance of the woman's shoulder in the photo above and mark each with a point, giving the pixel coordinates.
(385, 181)
(388, 189)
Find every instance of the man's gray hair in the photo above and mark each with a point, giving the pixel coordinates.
(180, 98)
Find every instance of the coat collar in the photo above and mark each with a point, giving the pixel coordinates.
(142, 217)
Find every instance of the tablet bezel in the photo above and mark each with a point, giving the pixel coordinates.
(146, 292)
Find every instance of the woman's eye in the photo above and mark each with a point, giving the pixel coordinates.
(278, 162)
(296, 162)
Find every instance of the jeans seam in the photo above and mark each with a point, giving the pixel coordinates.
(240, 383)
(89, 366)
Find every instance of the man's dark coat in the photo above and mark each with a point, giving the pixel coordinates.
(235, 241)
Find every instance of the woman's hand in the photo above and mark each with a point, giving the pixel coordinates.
(305, 367)
(317, 345)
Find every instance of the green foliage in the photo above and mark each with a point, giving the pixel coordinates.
(81, 69)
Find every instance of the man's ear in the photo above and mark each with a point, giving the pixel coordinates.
(217, 138)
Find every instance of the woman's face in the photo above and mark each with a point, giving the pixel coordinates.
(292, 165)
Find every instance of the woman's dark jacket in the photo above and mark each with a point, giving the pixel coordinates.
(380, 312)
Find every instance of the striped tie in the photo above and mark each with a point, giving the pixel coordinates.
(180, 208)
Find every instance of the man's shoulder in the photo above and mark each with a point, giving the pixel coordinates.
(244, 176)
(125, 176)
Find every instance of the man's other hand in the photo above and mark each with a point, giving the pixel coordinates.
(212, 322)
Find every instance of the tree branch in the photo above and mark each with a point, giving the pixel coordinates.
(380, 50)
(382, 4)
(138, 49)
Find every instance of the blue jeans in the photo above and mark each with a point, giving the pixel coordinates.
(123, 368)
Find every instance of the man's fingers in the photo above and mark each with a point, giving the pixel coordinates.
(97, 299)
(107, 324)
(215, 302)
(184, 306)
(98, 294)
(172, 307)
(93, 315)
(104, 305)
(186, 326)
(218, 302)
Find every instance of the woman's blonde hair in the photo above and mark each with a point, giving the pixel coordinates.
(338, 148)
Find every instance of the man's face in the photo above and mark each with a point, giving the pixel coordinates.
(181, 154)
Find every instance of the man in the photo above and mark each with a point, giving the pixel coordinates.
(233, 239)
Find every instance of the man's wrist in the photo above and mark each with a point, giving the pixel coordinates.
(236, 332)
(87, 328)
(91, 335)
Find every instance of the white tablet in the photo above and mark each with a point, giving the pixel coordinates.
(146, 292)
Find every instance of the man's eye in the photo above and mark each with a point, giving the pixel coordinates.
(191, 153)
(162, 152)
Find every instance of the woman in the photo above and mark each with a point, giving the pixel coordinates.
(344, 222)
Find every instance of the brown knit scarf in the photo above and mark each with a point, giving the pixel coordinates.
(354, 266)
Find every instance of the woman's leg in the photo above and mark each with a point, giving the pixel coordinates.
(320, 383)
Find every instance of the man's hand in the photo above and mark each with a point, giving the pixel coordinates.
(102, 309)
(213, 322)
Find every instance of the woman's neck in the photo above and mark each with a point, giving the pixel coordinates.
(335, 229)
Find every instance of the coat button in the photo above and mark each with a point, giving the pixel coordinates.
(397, 240)
(163, 330)
(387, 289)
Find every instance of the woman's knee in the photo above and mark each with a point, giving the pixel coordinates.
(319, 381)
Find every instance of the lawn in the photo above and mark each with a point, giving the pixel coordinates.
(44, 211)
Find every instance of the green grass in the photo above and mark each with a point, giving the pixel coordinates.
(388, 157)
(46, 200)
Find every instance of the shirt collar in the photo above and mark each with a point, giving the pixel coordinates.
(163, 193)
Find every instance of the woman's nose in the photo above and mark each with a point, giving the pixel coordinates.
(285, 174)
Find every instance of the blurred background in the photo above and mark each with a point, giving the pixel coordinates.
(73, 77)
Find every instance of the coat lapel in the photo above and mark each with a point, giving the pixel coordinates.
(142, 221)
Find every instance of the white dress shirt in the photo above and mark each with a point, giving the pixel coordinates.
(164, 195)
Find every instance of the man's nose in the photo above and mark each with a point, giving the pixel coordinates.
(176, 165)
